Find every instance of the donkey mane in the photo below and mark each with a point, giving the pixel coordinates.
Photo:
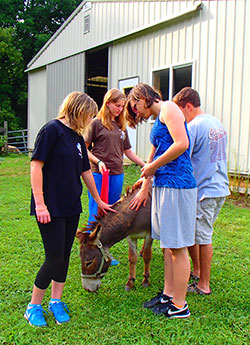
(129, 191)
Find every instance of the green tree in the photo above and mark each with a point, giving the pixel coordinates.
(11, 71)
(32, 23)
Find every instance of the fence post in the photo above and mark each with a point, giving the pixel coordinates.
(24, 142)
(5, 125)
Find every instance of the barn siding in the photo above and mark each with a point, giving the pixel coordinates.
(215, 38)
(217, 41)
(64, 77)
(37, 95)
(48, 87)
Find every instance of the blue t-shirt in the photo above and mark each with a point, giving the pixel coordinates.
(65, 158)
(208, 143)
(177, 173)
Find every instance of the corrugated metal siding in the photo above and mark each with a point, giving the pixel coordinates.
(108, 21)
(37, 96)
(64, 77)
(217, 40)
(47, 89)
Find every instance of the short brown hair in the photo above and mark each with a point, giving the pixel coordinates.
(187, 95)
(140, 91)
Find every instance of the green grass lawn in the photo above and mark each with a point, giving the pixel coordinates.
(113, 316)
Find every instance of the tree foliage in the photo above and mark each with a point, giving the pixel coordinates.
(25, 28)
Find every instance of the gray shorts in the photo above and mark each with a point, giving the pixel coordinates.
(173, 216)
(207, 212)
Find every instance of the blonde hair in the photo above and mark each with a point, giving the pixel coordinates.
(112, 96)
(78, 108)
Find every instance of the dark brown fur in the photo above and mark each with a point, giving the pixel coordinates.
(113, 228)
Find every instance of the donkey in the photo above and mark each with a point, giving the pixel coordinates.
(96, 240)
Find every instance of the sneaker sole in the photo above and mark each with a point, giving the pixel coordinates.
(177, 316)
(26, 317)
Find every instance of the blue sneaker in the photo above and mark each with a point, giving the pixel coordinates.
(114, 262)
(35, 316)
(58, 310)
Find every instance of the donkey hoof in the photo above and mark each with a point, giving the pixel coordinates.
(145, 283)
(129, 286)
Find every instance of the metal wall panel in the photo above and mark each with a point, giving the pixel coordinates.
(109, 20)
(217, 41)
(47, 89)
(37, 97)
(63, 77)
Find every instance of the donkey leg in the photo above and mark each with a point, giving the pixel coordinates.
(147, 255)
(142, 249)
(132, 258)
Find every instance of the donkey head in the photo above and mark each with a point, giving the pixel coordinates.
(95, 261)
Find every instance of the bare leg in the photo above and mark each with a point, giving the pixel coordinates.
(206, 254)
(195, 257)
(168, 273)
(37, 295)
(181, 271)
(57, 290)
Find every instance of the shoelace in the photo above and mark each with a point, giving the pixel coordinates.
(59, 307)
(36, 312)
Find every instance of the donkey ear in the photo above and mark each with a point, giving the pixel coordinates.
(82, 236)
(96, 234)
(79, 235)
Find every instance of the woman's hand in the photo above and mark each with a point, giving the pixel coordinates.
(43, 215)
(102, 167)
(148, 170)
(139, 199)
(103, 207)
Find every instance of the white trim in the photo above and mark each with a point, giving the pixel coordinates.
(171, 70)
(123, 84)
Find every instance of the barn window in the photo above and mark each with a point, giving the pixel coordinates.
(171, 80)
(161, 82)
(86, 24)
(182, 76)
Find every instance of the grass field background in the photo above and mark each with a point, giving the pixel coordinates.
(112, 315)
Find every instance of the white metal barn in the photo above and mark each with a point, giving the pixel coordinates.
(166, 43)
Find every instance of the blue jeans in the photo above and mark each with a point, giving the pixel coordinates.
(115, 189)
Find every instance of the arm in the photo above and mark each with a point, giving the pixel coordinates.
(101, 166)
(141, 197)
(133, 157)
(36, 179)
(174, 119)
(88, 179)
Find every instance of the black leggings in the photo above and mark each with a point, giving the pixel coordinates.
(58, 237)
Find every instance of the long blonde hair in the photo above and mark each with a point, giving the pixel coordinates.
(78, 108)
(112, 96)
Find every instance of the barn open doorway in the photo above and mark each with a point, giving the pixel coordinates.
(96, 74)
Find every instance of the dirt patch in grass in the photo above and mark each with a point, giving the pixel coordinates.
(239, 199)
